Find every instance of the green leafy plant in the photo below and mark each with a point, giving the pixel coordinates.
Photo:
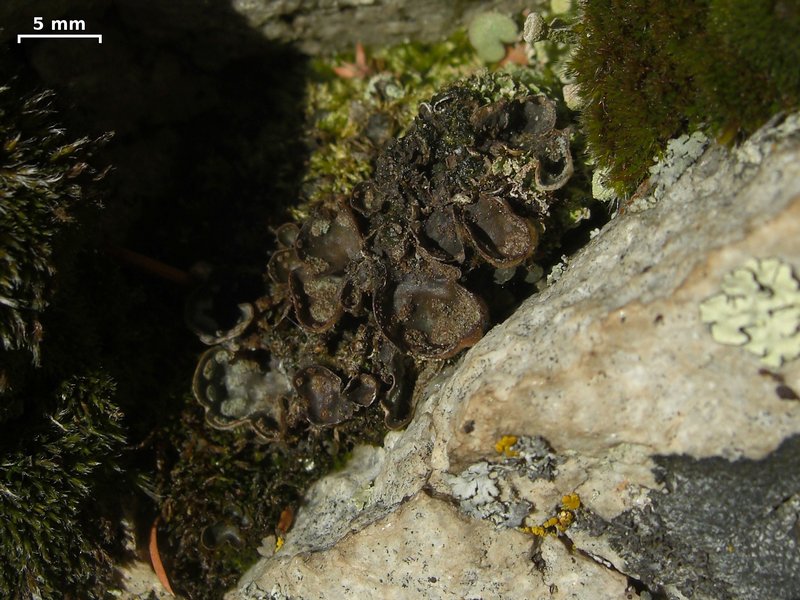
(488, 32)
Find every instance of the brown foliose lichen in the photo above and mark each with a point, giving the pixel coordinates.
(400, 272)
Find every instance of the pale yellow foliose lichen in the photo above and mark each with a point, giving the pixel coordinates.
(758, 309)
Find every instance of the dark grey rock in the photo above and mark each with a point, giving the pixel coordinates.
(312, 26)
(719, 529)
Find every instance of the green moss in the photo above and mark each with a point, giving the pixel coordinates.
(755, 70)
(52, 539)
(43, 195)
(649, 71)
(228, 481)
(351, 119)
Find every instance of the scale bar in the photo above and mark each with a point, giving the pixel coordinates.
(60, 35)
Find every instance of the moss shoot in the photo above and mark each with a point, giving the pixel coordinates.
(649, 71)
(52, 540)
(44, 191)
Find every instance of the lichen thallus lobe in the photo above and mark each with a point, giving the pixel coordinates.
(375, 284)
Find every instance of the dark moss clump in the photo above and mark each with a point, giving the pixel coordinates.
(53, 540)
(224, 493)
(649, 71)
(45, 186)
(60, 431)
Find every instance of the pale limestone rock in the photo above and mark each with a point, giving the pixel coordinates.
(139, 582)
(615, 352)
(427, 549)
(614, 368)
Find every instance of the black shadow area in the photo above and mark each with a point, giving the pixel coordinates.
(207, 154)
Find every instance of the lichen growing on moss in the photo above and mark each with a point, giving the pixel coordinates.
(650, 71)
(399, 203)
(363, 289)
(351, 119)
(375, 284)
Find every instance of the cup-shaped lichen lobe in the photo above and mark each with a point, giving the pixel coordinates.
(317, 299)
(286, 234)
(362, 390)
(221, 308)
(222, 532)
(364, 199)
(439, 235)
(321, 390)
(217, 328)
(323, 251)
(398, 401)
(554, 163)
(438, 317)
(540, 115)
(281, 264)
(427, 314)
(501, 237)
(328, 241)
(237, 390)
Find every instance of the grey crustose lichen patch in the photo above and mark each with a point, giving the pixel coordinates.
(486, 490)
(681, 153)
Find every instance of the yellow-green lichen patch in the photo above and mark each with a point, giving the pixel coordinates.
(758, 309)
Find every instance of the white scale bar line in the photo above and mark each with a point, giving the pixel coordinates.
(60, 35)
